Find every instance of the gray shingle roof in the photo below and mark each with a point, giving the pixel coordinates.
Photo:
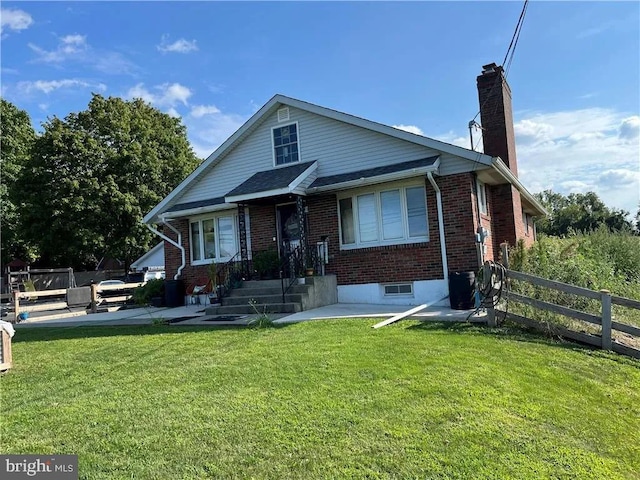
(197, 204)
(270, 179)
(373, 172)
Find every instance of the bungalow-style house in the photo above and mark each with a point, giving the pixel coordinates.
(390, 213)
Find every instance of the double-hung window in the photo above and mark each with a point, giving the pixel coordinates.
(214, 239)
(482, 197)
(285, 144)
(383, 217)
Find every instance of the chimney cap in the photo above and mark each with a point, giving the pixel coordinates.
(489, 68)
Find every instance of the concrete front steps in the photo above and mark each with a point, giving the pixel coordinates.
(309, 292)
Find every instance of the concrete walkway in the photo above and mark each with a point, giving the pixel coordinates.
(194, 315)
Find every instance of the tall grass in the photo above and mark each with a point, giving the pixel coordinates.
(596, 260)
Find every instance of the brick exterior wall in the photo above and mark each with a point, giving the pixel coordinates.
(496, 115)
(191, 274)
(263, 227)
(499, 140)
(392, 263)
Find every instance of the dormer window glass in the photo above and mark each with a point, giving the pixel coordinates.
(285, 144)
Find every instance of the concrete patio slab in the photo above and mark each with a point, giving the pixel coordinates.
(147, 316)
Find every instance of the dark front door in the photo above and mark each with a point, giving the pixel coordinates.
(288, 228)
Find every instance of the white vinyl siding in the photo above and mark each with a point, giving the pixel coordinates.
(350, 148)
(388, 215)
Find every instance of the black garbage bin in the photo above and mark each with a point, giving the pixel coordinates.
(462, 288)
(174, 293)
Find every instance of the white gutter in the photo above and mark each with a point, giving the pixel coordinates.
(443, 246)
(172, 242)
(389, 177)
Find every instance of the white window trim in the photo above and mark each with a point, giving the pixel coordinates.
(236, 233)
(385, 294)
(483, 204)
(353, 194)
(273, 145)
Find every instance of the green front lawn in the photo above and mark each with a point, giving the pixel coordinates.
(333, 399)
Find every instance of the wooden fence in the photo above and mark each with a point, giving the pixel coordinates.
(59, 298)
(608, 324)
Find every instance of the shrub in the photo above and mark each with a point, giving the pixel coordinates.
(596, 260)
(265, 263)
(153, 288)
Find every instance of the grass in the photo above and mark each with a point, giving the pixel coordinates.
(332, 399)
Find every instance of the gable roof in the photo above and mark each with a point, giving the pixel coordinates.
(276, 101)
(269, 183)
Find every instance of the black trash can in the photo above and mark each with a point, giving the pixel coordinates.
(462, 289)
(174, 293)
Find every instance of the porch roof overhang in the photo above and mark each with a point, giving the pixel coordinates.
(195, 208)
(272, 183)
(372, 176)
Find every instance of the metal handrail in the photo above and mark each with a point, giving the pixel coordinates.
(291, 267)
(229, 276)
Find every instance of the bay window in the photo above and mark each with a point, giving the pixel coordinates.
(386, 216)
(215, 238)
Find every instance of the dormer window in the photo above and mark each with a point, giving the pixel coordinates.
(285, 144)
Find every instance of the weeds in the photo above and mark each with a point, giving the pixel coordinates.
(262, 319)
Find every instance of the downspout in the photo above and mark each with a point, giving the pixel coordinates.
(172, 242)
(479, 230)
(443, 246)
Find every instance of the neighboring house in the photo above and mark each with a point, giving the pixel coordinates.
(396, 212)
(151, 264)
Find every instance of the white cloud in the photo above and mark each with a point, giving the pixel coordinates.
(48, 86)
(208, 132)
(410, 129)
(179, 46)
(199, 111)
(74, 48)
(14, 19)
(630, 128)
(69, 47)
(462, 141)
(173, 112)
(619, 177)
(596, 149)
(163, 96)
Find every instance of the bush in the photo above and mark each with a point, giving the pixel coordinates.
(266, 263)
(597, 260)
(153, 288)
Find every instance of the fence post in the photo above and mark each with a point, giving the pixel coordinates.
(606, 319)
(94, 298)
(16, 305)
(504, 247)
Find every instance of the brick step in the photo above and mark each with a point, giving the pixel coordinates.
(262, 299)
(291, 307)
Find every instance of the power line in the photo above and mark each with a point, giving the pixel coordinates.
(511, 50)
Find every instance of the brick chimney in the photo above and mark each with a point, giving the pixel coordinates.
(496, 116)
(499, 140)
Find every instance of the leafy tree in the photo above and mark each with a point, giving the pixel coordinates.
(17, 137)
(583, 212)
(95, 174)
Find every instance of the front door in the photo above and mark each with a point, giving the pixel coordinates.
(288, 228)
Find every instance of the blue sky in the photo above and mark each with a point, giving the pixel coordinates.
(575, 77)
